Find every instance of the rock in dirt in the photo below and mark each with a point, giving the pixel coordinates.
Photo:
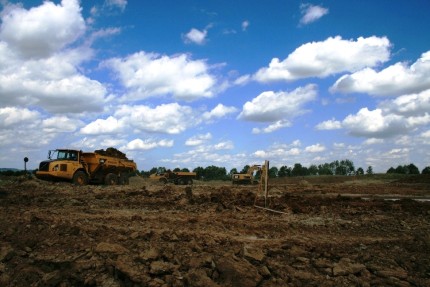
(105, 247)
(160, 268)
(6, 252)
(345, 267)
(397, 272)
(130, 270)
(149, 254)
(198, 277)
(265, 272)
(237, 272)
(252, 253)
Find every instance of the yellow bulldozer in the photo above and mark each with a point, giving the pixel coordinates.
(110, 167)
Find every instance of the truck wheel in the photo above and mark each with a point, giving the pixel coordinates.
(123, 179)
(181, 181)
(111, 179)
(190, 182)
(80, 178)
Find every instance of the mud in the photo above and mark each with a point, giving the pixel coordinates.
(316, 233)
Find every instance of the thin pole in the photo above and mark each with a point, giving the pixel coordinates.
(266, 181)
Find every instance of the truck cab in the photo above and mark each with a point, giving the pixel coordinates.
(61, 163)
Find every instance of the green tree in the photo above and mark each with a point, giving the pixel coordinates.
(426, 170)
(200, 172)
(413, 169)
(369, 170)
(284, 171)
(401, 169)
(344, 167)
(325, 169)
(233, 171)
(215, 173)
(298, 170)
(391, 170)
(273, 172)
(245, 169)
(360, 171)
(313, 169)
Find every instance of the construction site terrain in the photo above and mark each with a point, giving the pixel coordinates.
(312, 231)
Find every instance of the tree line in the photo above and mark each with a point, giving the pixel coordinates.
(337, 167)
(408, 169)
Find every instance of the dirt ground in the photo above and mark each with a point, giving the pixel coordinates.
(326, 231)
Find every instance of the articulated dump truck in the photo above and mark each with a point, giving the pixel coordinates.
(176, 177)
(110, 167)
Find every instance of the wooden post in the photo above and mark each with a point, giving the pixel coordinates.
(266, 181)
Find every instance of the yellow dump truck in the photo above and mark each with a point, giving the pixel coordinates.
(176, 177)
(108, 167)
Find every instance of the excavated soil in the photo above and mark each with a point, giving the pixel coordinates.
(318, 232)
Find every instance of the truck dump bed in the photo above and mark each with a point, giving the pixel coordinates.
(95, 160)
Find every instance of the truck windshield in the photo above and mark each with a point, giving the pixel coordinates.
(63, 154)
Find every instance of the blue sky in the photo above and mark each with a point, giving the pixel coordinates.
(225, 83)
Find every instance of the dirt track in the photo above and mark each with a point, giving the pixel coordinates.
(329, 233)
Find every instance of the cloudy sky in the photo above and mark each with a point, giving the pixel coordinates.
(226, 83)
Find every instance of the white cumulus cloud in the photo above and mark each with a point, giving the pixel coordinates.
(393, 117)
(100, 126)
(329, 57)
(38, 65)
(196, 36)
(245, 25)
(315, 148)
(43, 30)
(198, 139)
(373, 123)
(139, 144)
(12, 116)
(147, 74)
(329, 125)
(394, 80)
(272, 127)
(60, 124)
(278, 106)
(218, 112)
(166, 118)
(311, 13)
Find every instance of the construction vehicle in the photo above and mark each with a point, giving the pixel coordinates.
(110, 167)
(176, 177)
(250, 177)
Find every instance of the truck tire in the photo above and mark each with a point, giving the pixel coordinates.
(124, 179)
(80, 178)
(181, 181)
(111, 179)
(190, 181)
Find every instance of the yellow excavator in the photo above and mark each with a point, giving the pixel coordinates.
(250, 177)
